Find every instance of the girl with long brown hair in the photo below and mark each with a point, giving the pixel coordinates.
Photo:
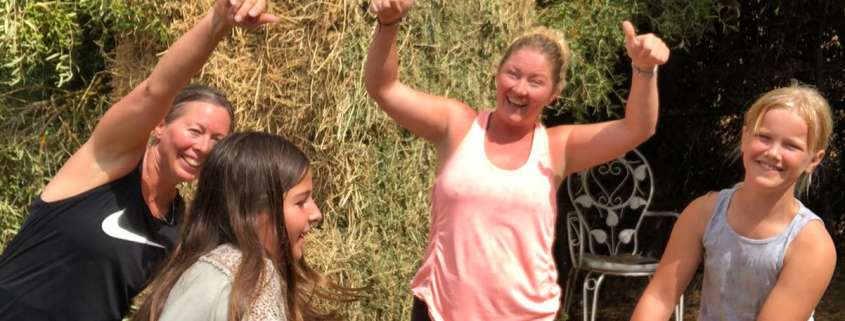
(241, 251)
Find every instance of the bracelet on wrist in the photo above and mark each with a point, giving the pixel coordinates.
(645, 72)
(389, 24)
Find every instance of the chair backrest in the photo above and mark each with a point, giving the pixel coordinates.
(609, 201)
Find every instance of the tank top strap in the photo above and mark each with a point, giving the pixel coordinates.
(718, 218)
(800, 220)
(540, 146)
(472, 145)
(482, 119)
(479, 129)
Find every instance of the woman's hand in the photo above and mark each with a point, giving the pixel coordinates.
(247, 14)
(389, 12)
(647, 50)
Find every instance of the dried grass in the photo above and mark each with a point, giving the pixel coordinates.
(302, 78)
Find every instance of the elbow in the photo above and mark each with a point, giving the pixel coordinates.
(641, 133)
(147, 88)
(377, 83)
(152, 90)
(378, 90)
(372, 87)
(376, 93)
(649, 132)
(645, 134)
(372, 83)
(647, 127)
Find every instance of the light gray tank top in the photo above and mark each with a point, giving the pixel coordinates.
(740, 272)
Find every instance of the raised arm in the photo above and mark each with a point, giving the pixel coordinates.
(120, 138)
(678, 264)
(591, 144)
(427, 116)
(807, 269)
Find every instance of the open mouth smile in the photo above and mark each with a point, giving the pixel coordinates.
(516, 104)
(191, 161)
(769, 167)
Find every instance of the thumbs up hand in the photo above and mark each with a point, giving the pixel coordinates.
(646, 50)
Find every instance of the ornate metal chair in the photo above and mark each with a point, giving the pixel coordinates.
(610, 202)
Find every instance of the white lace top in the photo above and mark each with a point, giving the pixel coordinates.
(203, 291)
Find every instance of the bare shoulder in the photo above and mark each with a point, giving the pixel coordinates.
(698, 213)
(812, 244)
(84, 171)
(461, 118)
(462, 114)
(558, 137)
(704, 204)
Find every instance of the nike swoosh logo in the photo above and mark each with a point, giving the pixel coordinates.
(111, 226)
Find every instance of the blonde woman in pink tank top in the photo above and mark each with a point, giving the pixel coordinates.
(493, 203)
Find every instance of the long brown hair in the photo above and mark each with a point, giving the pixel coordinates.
(245, 174)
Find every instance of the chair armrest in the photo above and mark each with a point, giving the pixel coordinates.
(671, 214)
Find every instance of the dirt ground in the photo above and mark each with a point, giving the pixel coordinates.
(620, 295)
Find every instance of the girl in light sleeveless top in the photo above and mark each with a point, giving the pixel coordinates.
(765, 255)
(493, 201)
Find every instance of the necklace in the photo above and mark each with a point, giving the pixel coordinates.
(170, 217)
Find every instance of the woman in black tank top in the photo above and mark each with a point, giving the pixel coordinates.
(107, 217)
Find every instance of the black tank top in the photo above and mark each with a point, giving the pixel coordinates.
(85, 257)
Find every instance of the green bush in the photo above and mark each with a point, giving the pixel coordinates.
(48, 43)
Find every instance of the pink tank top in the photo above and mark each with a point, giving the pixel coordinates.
(489, 255)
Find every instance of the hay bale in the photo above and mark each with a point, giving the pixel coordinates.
(302, 78)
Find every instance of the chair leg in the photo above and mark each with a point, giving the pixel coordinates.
(596, 297)
(569, 291)
(585, 295)
(591, 285)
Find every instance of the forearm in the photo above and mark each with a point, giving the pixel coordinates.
(382, 65)
(652, 309)
(646, 52)
(185, 57)
(659, 299)
(641, 109)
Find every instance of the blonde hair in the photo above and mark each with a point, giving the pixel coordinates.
(550, 43)
(805, 101)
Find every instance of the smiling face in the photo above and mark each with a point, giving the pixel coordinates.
(301, 213)
(184, 143)
(524, 85)
(777, 154)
